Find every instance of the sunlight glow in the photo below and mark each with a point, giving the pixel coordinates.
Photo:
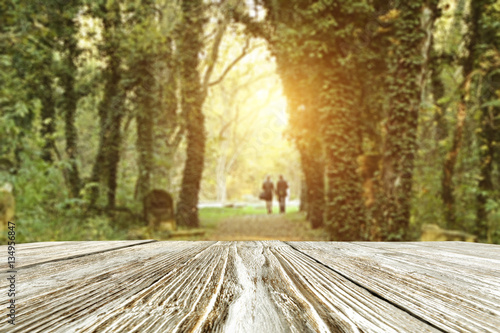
(246, 120)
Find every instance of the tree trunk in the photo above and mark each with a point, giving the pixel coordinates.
(449, 169)
(114, 143)
(400, 145)
(110, 114)
(70, 99)
(345, 212)
(97, 169)
(192, 101)
(48, 114)
(108, 154)
(438, 92)
(299, 83)
(488, 135)
(168, 132)
(145, 117)
(313, 167)
(486, 152)
(451, 157)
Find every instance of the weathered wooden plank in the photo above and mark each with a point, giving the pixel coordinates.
(461, 262)
(41, 244)
(341, 305)
(200, 286)
(426, 284)
(476, 250)
(30, 254)
(53, 296)
(177, 302)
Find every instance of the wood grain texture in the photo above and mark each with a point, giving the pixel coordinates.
(474, 250)
(36, 253)
(453, 291)
(64, 295)
(262, 286)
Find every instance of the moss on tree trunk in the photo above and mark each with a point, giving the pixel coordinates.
(404, 88)
(191, 101)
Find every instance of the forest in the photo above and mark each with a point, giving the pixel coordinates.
(383, 116)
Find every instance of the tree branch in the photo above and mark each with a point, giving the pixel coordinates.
(232, 64)
(214, 55)
(177, 137)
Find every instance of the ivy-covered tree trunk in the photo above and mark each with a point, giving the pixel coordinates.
(191, 101)
(486, 136)
(487, 15)
(304, 129)
(344, 208)
(404, 88)
(313, 167)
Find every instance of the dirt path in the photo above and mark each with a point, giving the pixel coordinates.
(265, 227)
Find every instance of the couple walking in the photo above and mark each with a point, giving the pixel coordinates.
(268, 188)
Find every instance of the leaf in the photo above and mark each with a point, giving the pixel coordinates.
(495, 103)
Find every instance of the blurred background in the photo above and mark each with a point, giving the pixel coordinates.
(161, 119)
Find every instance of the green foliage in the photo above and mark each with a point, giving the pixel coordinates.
(102, 101)
(44, 212)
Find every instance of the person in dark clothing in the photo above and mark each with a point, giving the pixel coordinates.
(268, 188)
(281, 189)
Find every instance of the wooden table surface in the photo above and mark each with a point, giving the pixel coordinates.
(268, 286)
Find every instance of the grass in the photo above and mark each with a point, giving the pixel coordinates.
(252, 223)
(210, 217)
